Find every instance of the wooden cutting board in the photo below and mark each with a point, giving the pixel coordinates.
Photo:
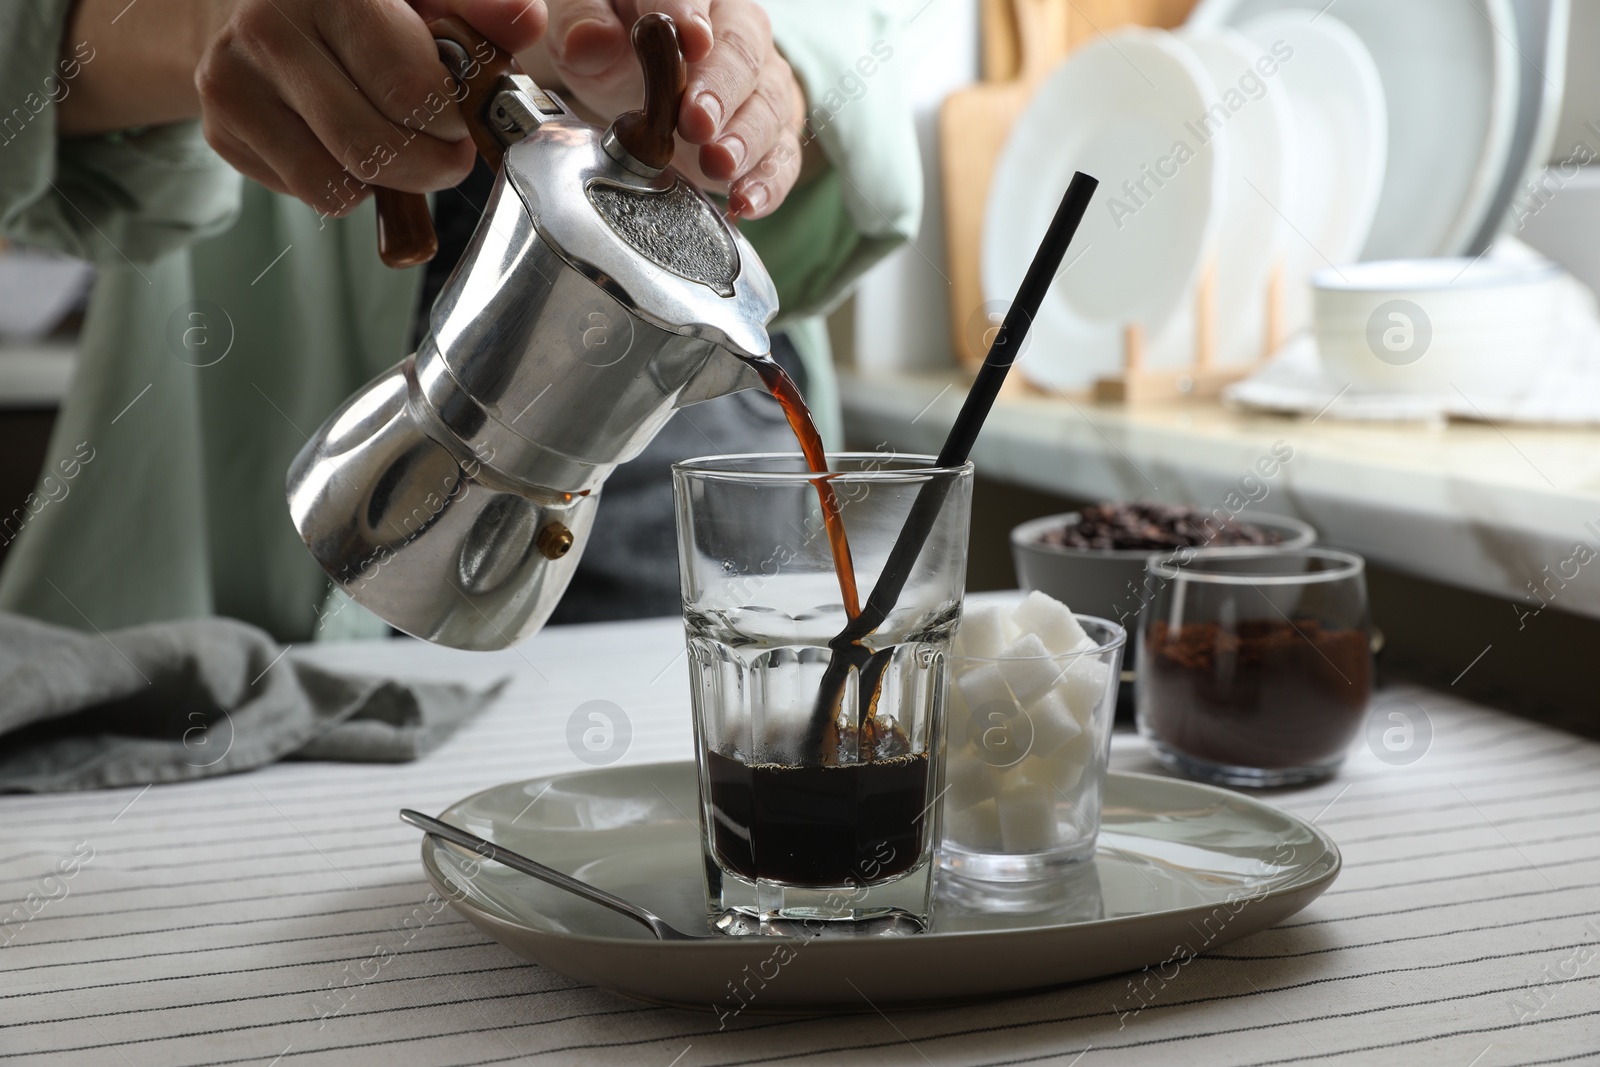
(1023, 40)
(1002, 56)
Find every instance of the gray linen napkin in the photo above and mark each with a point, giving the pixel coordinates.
(172, 701)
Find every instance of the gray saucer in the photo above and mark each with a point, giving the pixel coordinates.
(1179, 864)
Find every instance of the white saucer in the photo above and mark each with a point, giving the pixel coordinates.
(1182, 868)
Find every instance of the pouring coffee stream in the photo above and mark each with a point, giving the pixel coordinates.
(784, 391)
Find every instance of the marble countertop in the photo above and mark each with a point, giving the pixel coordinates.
(1510, 511)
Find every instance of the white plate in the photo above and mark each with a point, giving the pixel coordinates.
(1263, 157)
(1180, 864)
(1116, 109)
(1339, 115)
(1542, 32)
(1450, 81)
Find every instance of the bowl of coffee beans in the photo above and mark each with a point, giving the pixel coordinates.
(1094, 559)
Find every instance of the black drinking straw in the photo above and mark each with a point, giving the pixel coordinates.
(1019, 318)
(847, 650)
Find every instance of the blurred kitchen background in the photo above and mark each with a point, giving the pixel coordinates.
(1467, 130)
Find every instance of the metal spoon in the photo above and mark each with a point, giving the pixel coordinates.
(500, 854)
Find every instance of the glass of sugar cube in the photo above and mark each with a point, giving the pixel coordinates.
(1031, 696)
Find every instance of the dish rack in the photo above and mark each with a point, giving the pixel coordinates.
(1139, 384)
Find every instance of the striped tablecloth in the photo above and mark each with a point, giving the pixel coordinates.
(281, 917)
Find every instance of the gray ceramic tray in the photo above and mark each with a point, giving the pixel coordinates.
(1179, 864)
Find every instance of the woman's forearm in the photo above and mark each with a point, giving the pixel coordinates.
(142, 61)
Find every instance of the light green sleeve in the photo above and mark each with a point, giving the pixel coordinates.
(119, 198)
(846, 55)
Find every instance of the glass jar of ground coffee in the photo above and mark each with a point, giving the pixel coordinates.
(1254, 665)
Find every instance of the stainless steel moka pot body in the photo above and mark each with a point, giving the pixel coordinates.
(452, 496)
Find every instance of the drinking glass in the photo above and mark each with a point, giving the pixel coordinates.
(819, 759)
(1028, 739)
(1254, 665)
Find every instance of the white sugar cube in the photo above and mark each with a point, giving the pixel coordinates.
(1076, 757)
(1053, 622)
(1076, 822)
(1061, 771)
(1053, 723)
(957, 718)
(1038, 771)
(1083, 687)
(982, 631)
(968, 779)
(976, 827)
(982, 686)
(1069, 775)
(1002, 740)
(1028, 668)
(1027, 818)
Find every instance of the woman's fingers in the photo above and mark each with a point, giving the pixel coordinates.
(719, 84)
(512, 25)
(769, 116)
(384, 53)
(586, 37)
(277, 142)
(694, 20)
(340, 94)
(589, 45)
(241, 157)
(323, 98)
(743, 106)
(371, 146)
(763, 187)
(248, 124)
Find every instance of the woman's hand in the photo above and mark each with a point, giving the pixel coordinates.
(322, 98)
(742, 109)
